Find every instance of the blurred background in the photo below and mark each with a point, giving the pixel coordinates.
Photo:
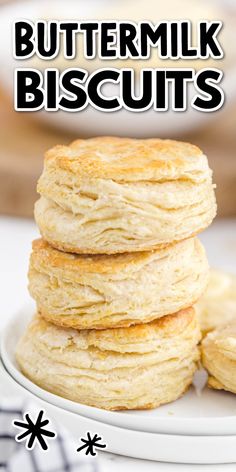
(25, 136)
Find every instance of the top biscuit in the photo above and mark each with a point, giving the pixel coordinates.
(113, 195)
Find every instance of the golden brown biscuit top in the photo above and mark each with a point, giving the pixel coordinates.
(167, 326)
(129, 159)
(132, 339)
(45, 255)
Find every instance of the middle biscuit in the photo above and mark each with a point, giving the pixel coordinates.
(86, 292)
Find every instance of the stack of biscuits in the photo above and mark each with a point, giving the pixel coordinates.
(117, 271)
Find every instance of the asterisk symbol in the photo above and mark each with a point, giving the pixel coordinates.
(90, 444)
(35, 431)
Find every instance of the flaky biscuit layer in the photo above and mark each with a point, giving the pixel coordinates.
(125, 368)
(118, 290)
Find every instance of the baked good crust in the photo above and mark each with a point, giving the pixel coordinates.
(127, 339)
(127, 159)
(103, 263)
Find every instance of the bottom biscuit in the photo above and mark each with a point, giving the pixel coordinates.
(138, 367)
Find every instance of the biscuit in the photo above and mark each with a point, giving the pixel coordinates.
(104, 291)
(219, 357)
(113, 195)
(218, 304)
(139, 367)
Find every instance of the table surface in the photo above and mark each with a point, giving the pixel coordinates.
(16, 236)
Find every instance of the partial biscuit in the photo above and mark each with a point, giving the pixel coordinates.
(102, 291)
(217, 306)
(139, 367)
(114, 195)
(219, 357)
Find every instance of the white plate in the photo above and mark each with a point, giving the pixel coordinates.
(90, 121)
(199, 412)
(141, 445)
